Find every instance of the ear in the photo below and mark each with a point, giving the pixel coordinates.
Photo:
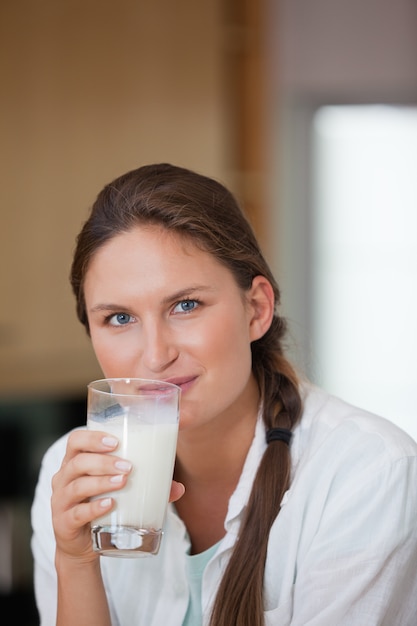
(261, 302)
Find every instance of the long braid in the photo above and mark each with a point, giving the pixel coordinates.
(240, 593)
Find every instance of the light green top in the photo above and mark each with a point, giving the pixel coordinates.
(196, 564)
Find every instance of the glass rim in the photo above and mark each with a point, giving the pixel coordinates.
(143, 385)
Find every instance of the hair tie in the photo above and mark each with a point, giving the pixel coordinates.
(278, 434)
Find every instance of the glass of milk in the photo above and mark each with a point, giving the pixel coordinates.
(143, 415)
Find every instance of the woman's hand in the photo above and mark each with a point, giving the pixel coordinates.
(88, 471)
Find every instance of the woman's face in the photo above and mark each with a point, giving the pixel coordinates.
(158, 307)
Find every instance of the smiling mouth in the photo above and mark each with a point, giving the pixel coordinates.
(183, 383)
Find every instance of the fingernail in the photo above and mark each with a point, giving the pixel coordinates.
(117, 478)
(110, 442)
(124, 466)
(105, 503)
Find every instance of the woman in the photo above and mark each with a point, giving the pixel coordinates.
(288, 506)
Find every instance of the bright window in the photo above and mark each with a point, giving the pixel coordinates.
(364, 269)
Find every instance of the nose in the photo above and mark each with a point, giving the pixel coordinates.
(159, 348)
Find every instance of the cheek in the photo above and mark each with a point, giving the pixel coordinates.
(103, 357)
(229, 368)
(114, 358)
(228, 343)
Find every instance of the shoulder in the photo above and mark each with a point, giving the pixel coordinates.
(351, 463)
(329, 423)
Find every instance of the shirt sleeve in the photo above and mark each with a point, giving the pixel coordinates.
(43, 539)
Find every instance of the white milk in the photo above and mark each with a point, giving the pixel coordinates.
(151, 448)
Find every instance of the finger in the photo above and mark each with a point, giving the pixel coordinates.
(83, 440)
(84, 513)
(89, 487)
(106, 467)
(81, 502)
(73, 528)
(177, 491)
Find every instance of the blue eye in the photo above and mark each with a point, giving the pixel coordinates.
(186, 306)
(119, 319)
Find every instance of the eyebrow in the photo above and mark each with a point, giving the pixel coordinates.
(178, 295)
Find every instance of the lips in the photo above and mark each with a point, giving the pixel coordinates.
(183, 382)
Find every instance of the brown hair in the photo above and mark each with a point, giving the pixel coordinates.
(203, 210)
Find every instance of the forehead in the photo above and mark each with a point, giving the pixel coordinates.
(147, 253)
(146, 242)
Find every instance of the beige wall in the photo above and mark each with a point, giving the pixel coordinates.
(90, 89)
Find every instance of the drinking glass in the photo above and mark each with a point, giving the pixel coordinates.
(143, 415)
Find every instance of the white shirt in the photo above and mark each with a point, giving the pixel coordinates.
(342, 551)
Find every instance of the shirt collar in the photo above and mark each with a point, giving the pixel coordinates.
(241, 494)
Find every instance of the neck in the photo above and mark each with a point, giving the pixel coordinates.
(215, 452)
(209, 463)
(210, 471)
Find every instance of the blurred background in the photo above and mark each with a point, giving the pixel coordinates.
(306, 110)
